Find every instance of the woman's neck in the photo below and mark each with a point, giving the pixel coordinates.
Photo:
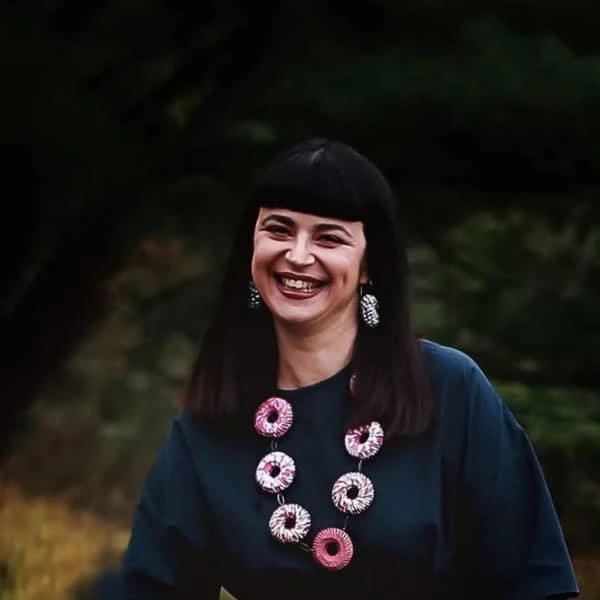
(310, 356)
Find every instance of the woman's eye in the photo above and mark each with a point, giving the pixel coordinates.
(277, 229)
(331, 239)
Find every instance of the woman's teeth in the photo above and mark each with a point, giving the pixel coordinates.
(298, 284)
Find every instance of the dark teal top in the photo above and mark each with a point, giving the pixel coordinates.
(462, 511)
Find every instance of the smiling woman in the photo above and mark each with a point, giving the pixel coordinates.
(324, 450)
(321, 210)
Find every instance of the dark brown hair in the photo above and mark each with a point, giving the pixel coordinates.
(236, 367)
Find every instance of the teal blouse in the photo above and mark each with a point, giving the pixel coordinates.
(462, 511)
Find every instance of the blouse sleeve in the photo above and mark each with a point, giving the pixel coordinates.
(517, 549)
(168, 555)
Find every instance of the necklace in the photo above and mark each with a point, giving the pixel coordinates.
(352, 493)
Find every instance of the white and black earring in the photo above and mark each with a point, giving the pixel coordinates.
(254, 299)
(369, 308)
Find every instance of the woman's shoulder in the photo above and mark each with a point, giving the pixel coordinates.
(194, 429)
(205, 437)
(460, 384)
(444, 362)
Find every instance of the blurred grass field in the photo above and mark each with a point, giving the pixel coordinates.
(49, 551)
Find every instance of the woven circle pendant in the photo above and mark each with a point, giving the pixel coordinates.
(289, 523)
(365, 441)
(275, 472)
(333, 549)
(353, 493)
(274, 417)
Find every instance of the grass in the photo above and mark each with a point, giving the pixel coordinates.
(47, 550)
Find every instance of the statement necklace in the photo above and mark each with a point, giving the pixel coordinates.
(352, 493)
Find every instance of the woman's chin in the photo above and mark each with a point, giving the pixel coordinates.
(295, 317)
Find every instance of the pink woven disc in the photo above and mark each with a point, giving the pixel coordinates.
(273, 417)
(353, 493)
(333, 549)
(275, 472)
(364, 441)
(352, 383)
(289, 523)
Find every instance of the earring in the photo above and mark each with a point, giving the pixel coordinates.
(254, 299)
(369, 306)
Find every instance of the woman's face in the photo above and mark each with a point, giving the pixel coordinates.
(307, 268)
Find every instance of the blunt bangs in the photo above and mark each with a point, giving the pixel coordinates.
(324, 178)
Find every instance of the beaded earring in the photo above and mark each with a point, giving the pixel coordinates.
(369, 308)
(254, 299)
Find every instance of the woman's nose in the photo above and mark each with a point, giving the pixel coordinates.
(300, 254)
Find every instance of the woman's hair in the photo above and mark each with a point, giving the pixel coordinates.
(236, 367)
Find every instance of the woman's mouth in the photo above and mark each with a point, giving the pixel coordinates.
(298, 284)
(298, 287)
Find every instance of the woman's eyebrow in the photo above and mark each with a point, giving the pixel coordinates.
(279, 219)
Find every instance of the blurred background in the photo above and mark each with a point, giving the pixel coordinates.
(131, 132)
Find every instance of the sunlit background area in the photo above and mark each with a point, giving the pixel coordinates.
(131, 134)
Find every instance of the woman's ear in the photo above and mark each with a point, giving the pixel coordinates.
(363, 278)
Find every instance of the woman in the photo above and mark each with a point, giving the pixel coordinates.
(324, 450)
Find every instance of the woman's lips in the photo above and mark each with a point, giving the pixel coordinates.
(298, 288)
